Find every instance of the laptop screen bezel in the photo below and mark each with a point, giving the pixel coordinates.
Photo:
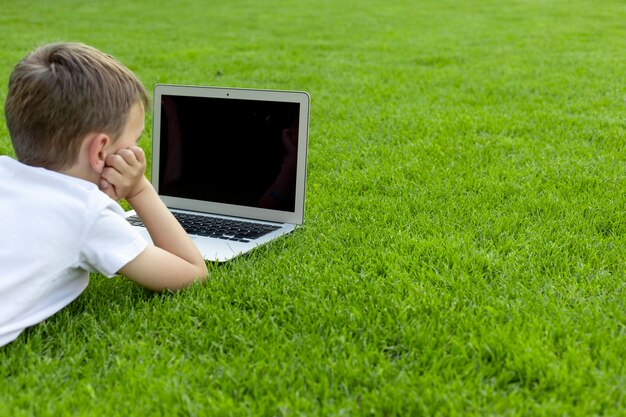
(300, 97)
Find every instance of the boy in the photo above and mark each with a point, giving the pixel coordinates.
(74, 116)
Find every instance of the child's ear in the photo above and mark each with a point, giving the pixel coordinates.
(97, 148)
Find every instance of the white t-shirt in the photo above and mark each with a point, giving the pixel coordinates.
(54, 230)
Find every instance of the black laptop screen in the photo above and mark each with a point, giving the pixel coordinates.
(231, 151)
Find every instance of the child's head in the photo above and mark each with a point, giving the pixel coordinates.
(60, 93)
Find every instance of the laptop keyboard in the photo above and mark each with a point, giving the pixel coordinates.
(228, 229)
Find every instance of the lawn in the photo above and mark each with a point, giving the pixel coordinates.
(463, 252)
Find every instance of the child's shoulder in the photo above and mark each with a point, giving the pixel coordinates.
(14, 172)
(49, 193)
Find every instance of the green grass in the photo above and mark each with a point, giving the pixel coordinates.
(463, 251)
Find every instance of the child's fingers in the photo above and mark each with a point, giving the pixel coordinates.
(123, 172)
(112, 176)
(127, 155)
(122, 161)
(139, 153)
(126, 158)
(115, 161)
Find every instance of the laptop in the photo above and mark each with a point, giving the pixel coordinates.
(230, 164)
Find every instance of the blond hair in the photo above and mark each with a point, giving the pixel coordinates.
(61, 92)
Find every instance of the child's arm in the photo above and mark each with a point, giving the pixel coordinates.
(174, 262)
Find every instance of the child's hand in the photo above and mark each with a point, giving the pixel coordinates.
(123, 174)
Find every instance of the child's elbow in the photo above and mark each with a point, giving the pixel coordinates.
(203, 273)
(200, 275)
